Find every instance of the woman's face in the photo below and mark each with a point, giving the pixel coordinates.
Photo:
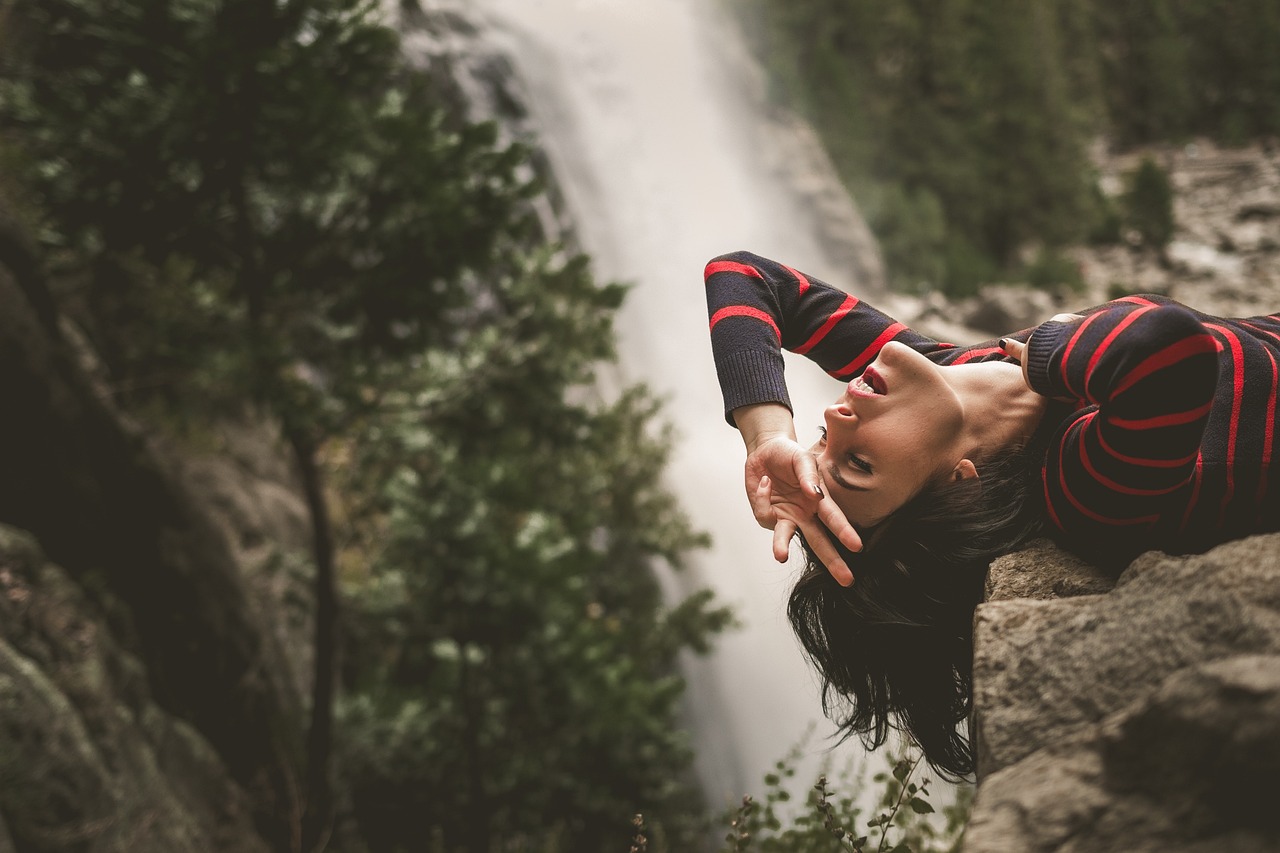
(892, 431)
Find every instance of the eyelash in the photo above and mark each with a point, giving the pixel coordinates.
(860, 463)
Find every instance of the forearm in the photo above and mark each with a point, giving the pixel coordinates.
(757, 308)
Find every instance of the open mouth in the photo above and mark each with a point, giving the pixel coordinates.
(870, 382)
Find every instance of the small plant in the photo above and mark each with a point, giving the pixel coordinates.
(906, 822)
(640, 843)
(1148, 204)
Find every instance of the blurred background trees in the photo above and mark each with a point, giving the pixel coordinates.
(254, 207)
(962, 126)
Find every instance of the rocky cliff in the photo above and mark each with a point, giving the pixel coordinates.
(1143, 718)
(148, 700)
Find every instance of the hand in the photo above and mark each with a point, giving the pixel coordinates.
(1017, 350)
(786, 495)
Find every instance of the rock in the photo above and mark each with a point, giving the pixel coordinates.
(1224, 718)
(243, 486)
(1190, 769)
(1201, 261)
(1042, 570)
(87, 760)
(1143, 719)
(999, 309)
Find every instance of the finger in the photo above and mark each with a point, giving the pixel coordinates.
(826, 552)
(830, 514)
(782, 535)
(1012, 348)
(762, 504)
(805, 465)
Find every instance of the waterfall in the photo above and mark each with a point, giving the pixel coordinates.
(654, 121)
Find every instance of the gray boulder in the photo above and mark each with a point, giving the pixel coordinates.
(1145, 718)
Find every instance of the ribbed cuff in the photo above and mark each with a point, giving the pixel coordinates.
(1046, 340)
(751, 377)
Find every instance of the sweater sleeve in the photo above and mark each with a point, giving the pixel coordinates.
(1145, 376)
(758, 307)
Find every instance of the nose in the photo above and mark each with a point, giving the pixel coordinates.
(840, 412)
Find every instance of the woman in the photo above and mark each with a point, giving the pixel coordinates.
(1137, 424)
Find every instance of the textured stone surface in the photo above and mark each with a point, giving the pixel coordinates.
(87, 760)
(1042, 570)
(1002, 308)
(1190, 768)
(241, 482)
(1144, 719)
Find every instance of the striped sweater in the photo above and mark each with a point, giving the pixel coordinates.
(1162, 430)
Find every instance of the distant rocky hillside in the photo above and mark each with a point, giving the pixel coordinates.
(1224, 257)
(1225, 254)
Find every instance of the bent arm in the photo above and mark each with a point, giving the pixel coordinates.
(1151, 371)
(758, 307)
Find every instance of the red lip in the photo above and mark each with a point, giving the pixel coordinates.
(875, 380)
(869, 379)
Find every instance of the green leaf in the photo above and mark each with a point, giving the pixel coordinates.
(920, 806)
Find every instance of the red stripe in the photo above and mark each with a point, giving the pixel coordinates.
(1147, 463)
(1170, 355)
(745, 311)
(836, 316)
(1165, 420)
(1117, 487)
(1106, 342)
(974, 353)
(1258, 328)
(1071, 344)
(1081, 508)
(1137, 300)
(870, 352)
(1270, 428)
(1237, 399)
(800, 279)
(1195, 492)
(730, 266)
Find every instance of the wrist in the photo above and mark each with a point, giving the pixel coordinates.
(761, 423)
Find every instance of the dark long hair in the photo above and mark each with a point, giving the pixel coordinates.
(895, 650)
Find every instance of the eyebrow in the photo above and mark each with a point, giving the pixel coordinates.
(835, 474)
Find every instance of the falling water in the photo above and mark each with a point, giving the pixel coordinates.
(654, 121)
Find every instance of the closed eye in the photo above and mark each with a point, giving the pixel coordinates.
(857, 461)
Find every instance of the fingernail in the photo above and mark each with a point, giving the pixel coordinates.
(1004, 343)
(817, 490)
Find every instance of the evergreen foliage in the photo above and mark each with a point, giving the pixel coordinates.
(953, 122)
(257, 203)
(962, 125)
(1148, 203)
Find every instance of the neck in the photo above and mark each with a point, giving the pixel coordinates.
(999, 409)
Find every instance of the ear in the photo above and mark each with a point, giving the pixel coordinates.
(964, 470)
